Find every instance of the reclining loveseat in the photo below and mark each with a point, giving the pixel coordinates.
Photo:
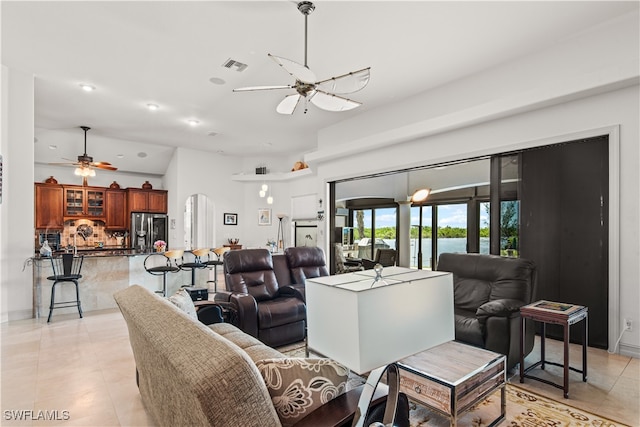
(488, 291)
(266, 292)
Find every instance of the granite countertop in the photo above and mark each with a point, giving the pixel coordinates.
(100, 252)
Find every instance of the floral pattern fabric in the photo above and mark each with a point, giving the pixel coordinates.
(298, 386)
(183, 301)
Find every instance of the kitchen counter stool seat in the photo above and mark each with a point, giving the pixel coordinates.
(66, 268)
(196, 263)
(218, 252)
(164, 268)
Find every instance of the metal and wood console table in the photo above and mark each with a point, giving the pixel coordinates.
(559, 314)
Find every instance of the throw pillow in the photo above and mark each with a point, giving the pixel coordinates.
(298, 386)
(183, 301)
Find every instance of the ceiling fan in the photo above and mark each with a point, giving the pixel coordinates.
(324, 94)
(85, 164)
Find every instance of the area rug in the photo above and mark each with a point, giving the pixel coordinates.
(524, 409)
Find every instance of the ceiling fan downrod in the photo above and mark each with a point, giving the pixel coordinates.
(305, 7)
(84, 156)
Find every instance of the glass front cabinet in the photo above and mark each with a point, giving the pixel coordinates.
(84, 202)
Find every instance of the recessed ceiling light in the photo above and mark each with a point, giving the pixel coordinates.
(153, 107)
(87, 87)
(142, 154)
(217, 81)
(53, 147)
(193, 122)
(120, 156)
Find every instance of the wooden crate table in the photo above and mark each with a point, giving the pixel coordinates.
(560, 314)
(452, 377)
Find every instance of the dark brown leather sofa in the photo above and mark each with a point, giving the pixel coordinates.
(488, 293)
(266, 293)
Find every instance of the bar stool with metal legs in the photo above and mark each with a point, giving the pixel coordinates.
(197, 262)
(66, 268)
(215, 262)
(168, 264)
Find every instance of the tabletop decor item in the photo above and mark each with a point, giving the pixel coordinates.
(114, 185)
(147, 185)
(160, 245)
(51, 180)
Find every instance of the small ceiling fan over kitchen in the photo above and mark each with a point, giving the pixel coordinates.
(85, 164)
(324, 94)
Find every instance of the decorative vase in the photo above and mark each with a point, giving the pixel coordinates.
(160, 248)
(50, 180)
(147, 185)
(114, 185)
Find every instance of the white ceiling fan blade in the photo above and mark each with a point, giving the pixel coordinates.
(250, 88)
(288, 104)
(298, 71)
(330, 102)
(346, 83)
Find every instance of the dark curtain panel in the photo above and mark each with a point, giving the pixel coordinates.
(564, 228)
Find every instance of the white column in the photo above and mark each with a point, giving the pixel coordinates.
(403, 242)
(16, 209)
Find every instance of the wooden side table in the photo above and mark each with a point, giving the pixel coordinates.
(453, 377)
(559, 314)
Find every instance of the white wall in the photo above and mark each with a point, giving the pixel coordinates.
(16, 210)
(599, 60)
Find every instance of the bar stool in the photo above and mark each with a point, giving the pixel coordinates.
(165, 267)
(65, 269)
(197, 262)
(218, 252)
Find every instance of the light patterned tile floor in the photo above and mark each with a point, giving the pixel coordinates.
(80, 372)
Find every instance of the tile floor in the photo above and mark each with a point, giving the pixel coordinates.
(81, 373)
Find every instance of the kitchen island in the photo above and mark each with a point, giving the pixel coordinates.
(104, 271)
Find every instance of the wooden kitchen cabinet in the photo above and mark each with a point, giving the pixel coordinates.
(84, 202)
(49, 207)
(140, 200)
(116, 217)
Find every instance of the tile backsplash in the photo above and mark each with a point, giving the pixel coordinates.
(99, 234)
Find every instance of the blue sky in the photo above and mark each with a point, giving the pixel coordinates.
(451, 215)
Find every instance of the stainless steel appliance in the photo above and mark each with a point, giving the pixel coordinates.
(146, 228)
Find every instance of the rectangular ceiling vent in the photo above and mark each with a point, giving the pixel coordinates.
(234, 65)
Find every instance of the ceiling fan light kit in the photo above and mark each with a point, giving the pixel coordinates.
(324, 94)
(85, 164)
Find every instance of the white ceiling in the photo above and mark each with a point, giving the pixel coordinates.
(165, 52)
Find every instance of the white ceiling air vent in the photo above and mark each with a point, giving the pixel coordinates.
(234, 65)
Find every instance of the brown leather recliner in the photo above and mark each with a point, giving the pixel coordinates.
(274, 314)
(384, 257)
(305, 262)
(488, 291)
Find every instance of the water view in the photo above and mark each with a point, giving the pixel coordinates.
(444, 245)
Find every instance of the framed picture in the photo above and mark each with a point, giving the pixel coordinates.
(264, 216)
(230, 219)
(306, 235)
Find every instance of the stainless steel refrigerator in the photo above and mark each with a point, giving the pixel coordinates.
(146, 228)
